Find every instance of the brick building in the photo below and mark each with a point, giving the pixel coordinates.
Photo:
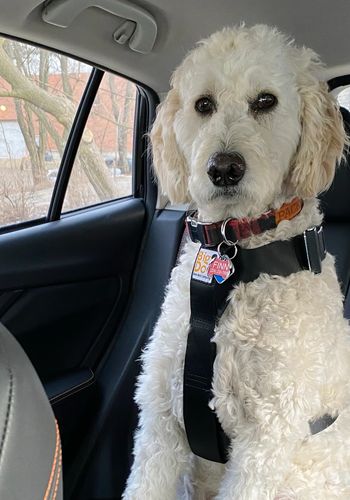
(102, 121)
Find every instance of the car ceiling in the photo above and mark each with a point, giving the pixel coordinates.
(322, 25)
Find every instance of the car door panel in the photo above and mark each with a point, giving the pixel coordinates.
(63, 290)
(62, 281)
(48, 319)
(77, 247)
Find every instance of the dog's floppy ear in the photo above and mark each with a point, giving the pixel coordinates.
(322, 139)
(168, 161)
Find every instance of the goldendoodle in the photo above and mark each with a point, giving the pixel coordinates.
(248, 127)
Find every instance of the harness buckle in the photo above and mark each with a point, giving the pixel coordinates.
(315, 248)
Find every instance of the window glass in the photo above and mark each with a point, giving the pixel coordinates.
(39, 94)
(103, 166)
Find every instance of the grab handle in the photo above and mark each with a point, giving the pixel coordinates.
(63, 12)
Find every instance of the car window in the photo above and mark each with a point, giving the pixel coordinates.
(39, 94)
(102, 169)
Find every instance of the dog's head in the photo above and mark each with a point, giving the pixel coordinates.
(246, 122)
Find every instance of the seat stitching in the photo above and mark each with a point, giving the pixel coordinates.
(8, 413)
(54, 462)
(58, 475)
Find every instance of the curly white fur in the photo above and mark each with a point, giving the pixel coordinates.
(283, 346)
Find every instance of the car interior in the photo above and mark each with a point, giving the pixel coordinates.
(82, 282)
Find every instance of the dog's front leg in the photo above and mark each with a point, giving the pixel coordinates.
(160, 457)
(259, 463)
(161, 451)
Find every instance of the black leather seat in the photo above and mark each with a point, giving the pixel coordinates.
(335, 205)
(30, 449)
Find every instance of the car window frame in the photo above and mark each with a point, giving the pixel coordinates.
(139, 160)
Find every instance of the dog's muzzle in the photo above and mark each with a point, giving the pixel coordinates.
(226, 169)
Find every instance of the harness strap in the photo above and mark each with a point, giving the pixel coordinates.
(208, 302)
(204, 432)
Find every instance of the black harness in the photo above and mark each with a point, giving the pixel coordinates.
(208, 302)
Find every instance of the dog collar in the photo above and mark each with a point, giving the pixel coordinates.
(230, 231)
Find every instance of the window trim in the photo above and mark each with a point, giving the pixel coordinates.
(10, 228)
(73, 143)
(145, 184)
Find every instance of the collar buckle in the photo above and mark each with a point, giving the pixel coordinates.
(205, 233)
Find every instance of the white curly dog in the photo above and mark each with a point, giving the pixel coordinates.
(283, 345)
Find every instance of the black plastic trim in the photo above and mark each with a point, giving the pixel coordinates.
(22, 225)
(70, 250)
(148, 104)
(338, 81)
(68, 384)
(137, 160)
(73, 143)
(86, 208)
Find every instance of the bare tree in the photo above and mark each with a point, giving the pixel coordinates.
(115, 109)
(123, 129)
(67, 88)
(16, 199)
(25, 113)
(43, 138)
(63, 110)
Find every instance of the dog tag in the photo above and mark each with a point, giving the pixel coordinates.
(221, 267)
(202, 263)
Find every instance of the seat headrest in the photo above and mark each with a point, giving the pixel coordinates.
(335, 202)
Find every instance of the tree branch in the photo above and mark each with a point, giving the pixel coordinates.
(64, 111)
(8, 93)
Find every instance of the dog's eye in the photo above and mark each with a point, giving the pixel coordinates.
(205, 105)
(263, 103)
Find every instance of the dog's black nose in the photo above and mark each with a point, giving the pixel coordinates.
(226, 169)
